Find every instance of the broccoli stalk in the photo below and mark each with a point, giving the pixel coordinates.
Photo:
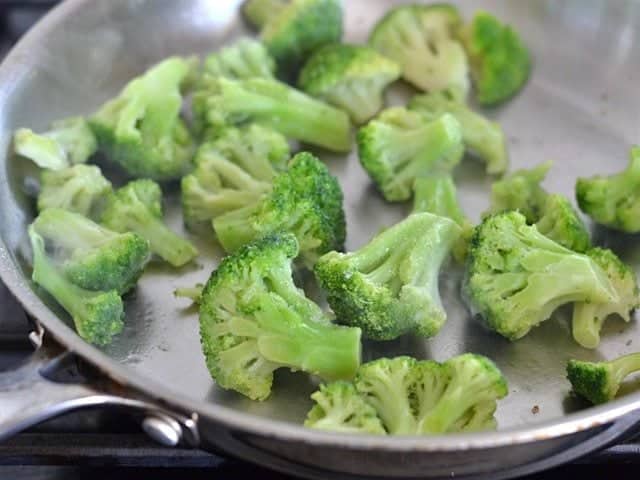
(192, 293)
(613, 201)
(351, 77)
(258, 12)
(588, 317)
(254, 320)
(480, 135)
(436, 194)
(141, 129)
(399, 146)
(421, 39)
(81, 189)
(275, 105)
(69, 142)
(599, 382)
(97, 315)
(137, 207)
(517, 277)
(246, 58)
(390, 286)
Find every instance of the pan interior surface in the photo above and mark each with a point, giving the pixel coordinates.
(580, 109)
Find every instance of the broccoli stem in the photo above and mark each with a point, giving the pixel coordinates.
(625, 366)
(70, 230)
(586, 325)
(168, 245)
(261, 12)
(236, 228)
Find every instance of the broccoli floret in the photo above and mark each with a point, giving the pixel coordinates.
(421, 38)
(436, 194)
(97, 315)
(293, 29)
(254, 320)
(137, 207)
(338, 407)
(588, 317)
(480, 135)
(500, 62)
(390, 286)
(399, 146)
(231, 172)
(306, 200)
(68, 142)
(409, 397)
(613, 201)
(246, 58)
(192, 293)
(90, 255)
(599, 382)
(141, 129)
(517, 276)
(560, 222)
(276, 105)
(351, 77)
(80, 189)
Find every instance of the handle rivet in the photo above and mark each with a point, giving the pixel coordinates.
(163, 430)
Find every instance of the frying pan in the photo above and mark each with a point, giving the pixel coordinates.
(580, 109)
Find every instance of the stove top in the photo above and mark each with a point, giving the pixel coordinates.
(105, 444)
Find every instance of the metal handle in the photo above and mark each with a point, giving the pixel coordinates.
(47, 385)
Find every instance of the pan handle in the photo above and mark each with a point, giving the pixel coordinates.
(49, 384)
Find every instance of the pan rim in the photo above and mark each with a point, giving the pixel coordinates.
(572, 423)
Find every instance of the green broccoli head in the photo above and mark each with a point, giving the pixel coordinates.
(275, 105)
(306, 200)
(421, 39)
(254, 320)
(613, 201)
(480, 135)
(246, 58)
(68, 142)
(560, 222)
(141, 129)
(517, 277)
(97, 315)
(137, 207)
(231, 172)
(436, 194)
(599, 382)
(351, 77)
(399, 146)
(339, 407)
(390, 286)
(588, 317)
(80, 188)
(403, 396)
(90, 255)
(500, 62)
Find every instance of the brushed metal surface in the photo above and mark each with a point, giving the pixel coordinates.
(580, 109)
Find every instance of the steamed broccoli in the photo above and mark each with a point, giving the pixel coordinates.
(141, 129)
(293, 29)
(500, 62)
(246, 58)
(90, 255)
(137, 207)
(517, 276)
(351, 77)
(613, 201)
(588, 317)
(599, 382)
(97, 315)
(232, 171)
(68, 142)
(192, 293)
(254, 320)
(479, 134)
(272, 104)
(436, 194)
(390, 286)
(553, 214)
(80, 188)
(403, 396)
(421, 38)
(399, 146)
(306, 200)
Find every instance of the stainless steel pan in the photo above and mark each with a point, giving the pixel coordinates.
(580, 109)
